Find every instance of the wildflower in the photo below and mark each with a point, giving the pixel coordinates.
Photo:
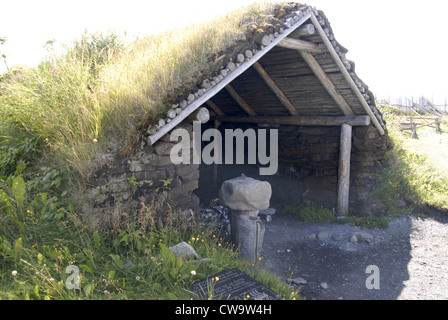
(193, 273)
(106, 292)
(95, 141)
(217, 278)
(14, 273)
(137, 278)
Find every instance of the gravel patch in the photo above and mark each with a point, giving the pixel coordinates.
(407, 260)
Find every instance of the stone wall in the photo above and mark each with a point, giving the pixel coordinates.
(308, 166)
(148, 177)
(308, 172)
(311, 155)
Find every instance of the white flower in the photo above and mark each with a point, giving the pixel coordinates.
(193, 273)
(95, 141)
(14, 273)
(137, 278)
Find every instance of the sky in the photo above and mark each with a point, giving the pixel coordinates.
(398, 46)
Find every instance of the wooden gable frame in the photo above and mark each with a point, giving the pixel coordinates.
(307, 50)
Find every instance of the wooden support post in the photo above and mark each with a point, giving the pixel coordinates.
(344, 170)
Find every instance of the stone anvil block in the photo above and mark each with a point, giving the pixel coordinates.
(246, 197)
(245, 194)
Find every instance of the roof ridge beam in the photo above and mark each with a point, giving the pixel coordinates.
(327, 121)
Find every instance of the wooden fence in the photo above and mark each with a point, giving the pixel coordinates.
(421, 105)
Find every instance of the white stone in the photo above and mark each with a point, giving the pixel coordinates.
(322, 235)
(297, 281)
(184, 250)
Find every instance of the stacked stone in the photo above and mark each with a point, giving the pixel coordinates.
(146, 174)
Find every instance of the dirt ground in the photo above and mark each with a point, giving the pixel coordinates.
(410, 254)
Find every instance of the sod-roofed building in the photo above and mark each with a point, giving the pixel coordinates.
(292, 76)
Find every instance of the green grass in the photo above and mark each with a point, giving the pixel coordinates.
(412, 175)
(96, 97)
(42, 237)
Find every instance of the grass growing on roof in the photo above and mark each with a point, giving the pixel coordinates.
(100, 92)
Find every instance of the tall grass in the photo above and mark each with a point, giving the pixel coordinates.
(84, 101)
(42, 242)
(58, 116)
(412, 176)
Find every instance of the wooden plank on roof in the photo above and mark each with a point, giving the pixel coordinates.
(326, 82)
(296, 44)
(300, 121)
(347, 76)
(273, 86)
(243, 104)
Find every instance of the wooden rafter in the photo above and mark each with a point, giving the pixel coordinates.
(345, 73)
(215, 108)
(273, 86)
(243, 104)
(300, 120)
(326, 82)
